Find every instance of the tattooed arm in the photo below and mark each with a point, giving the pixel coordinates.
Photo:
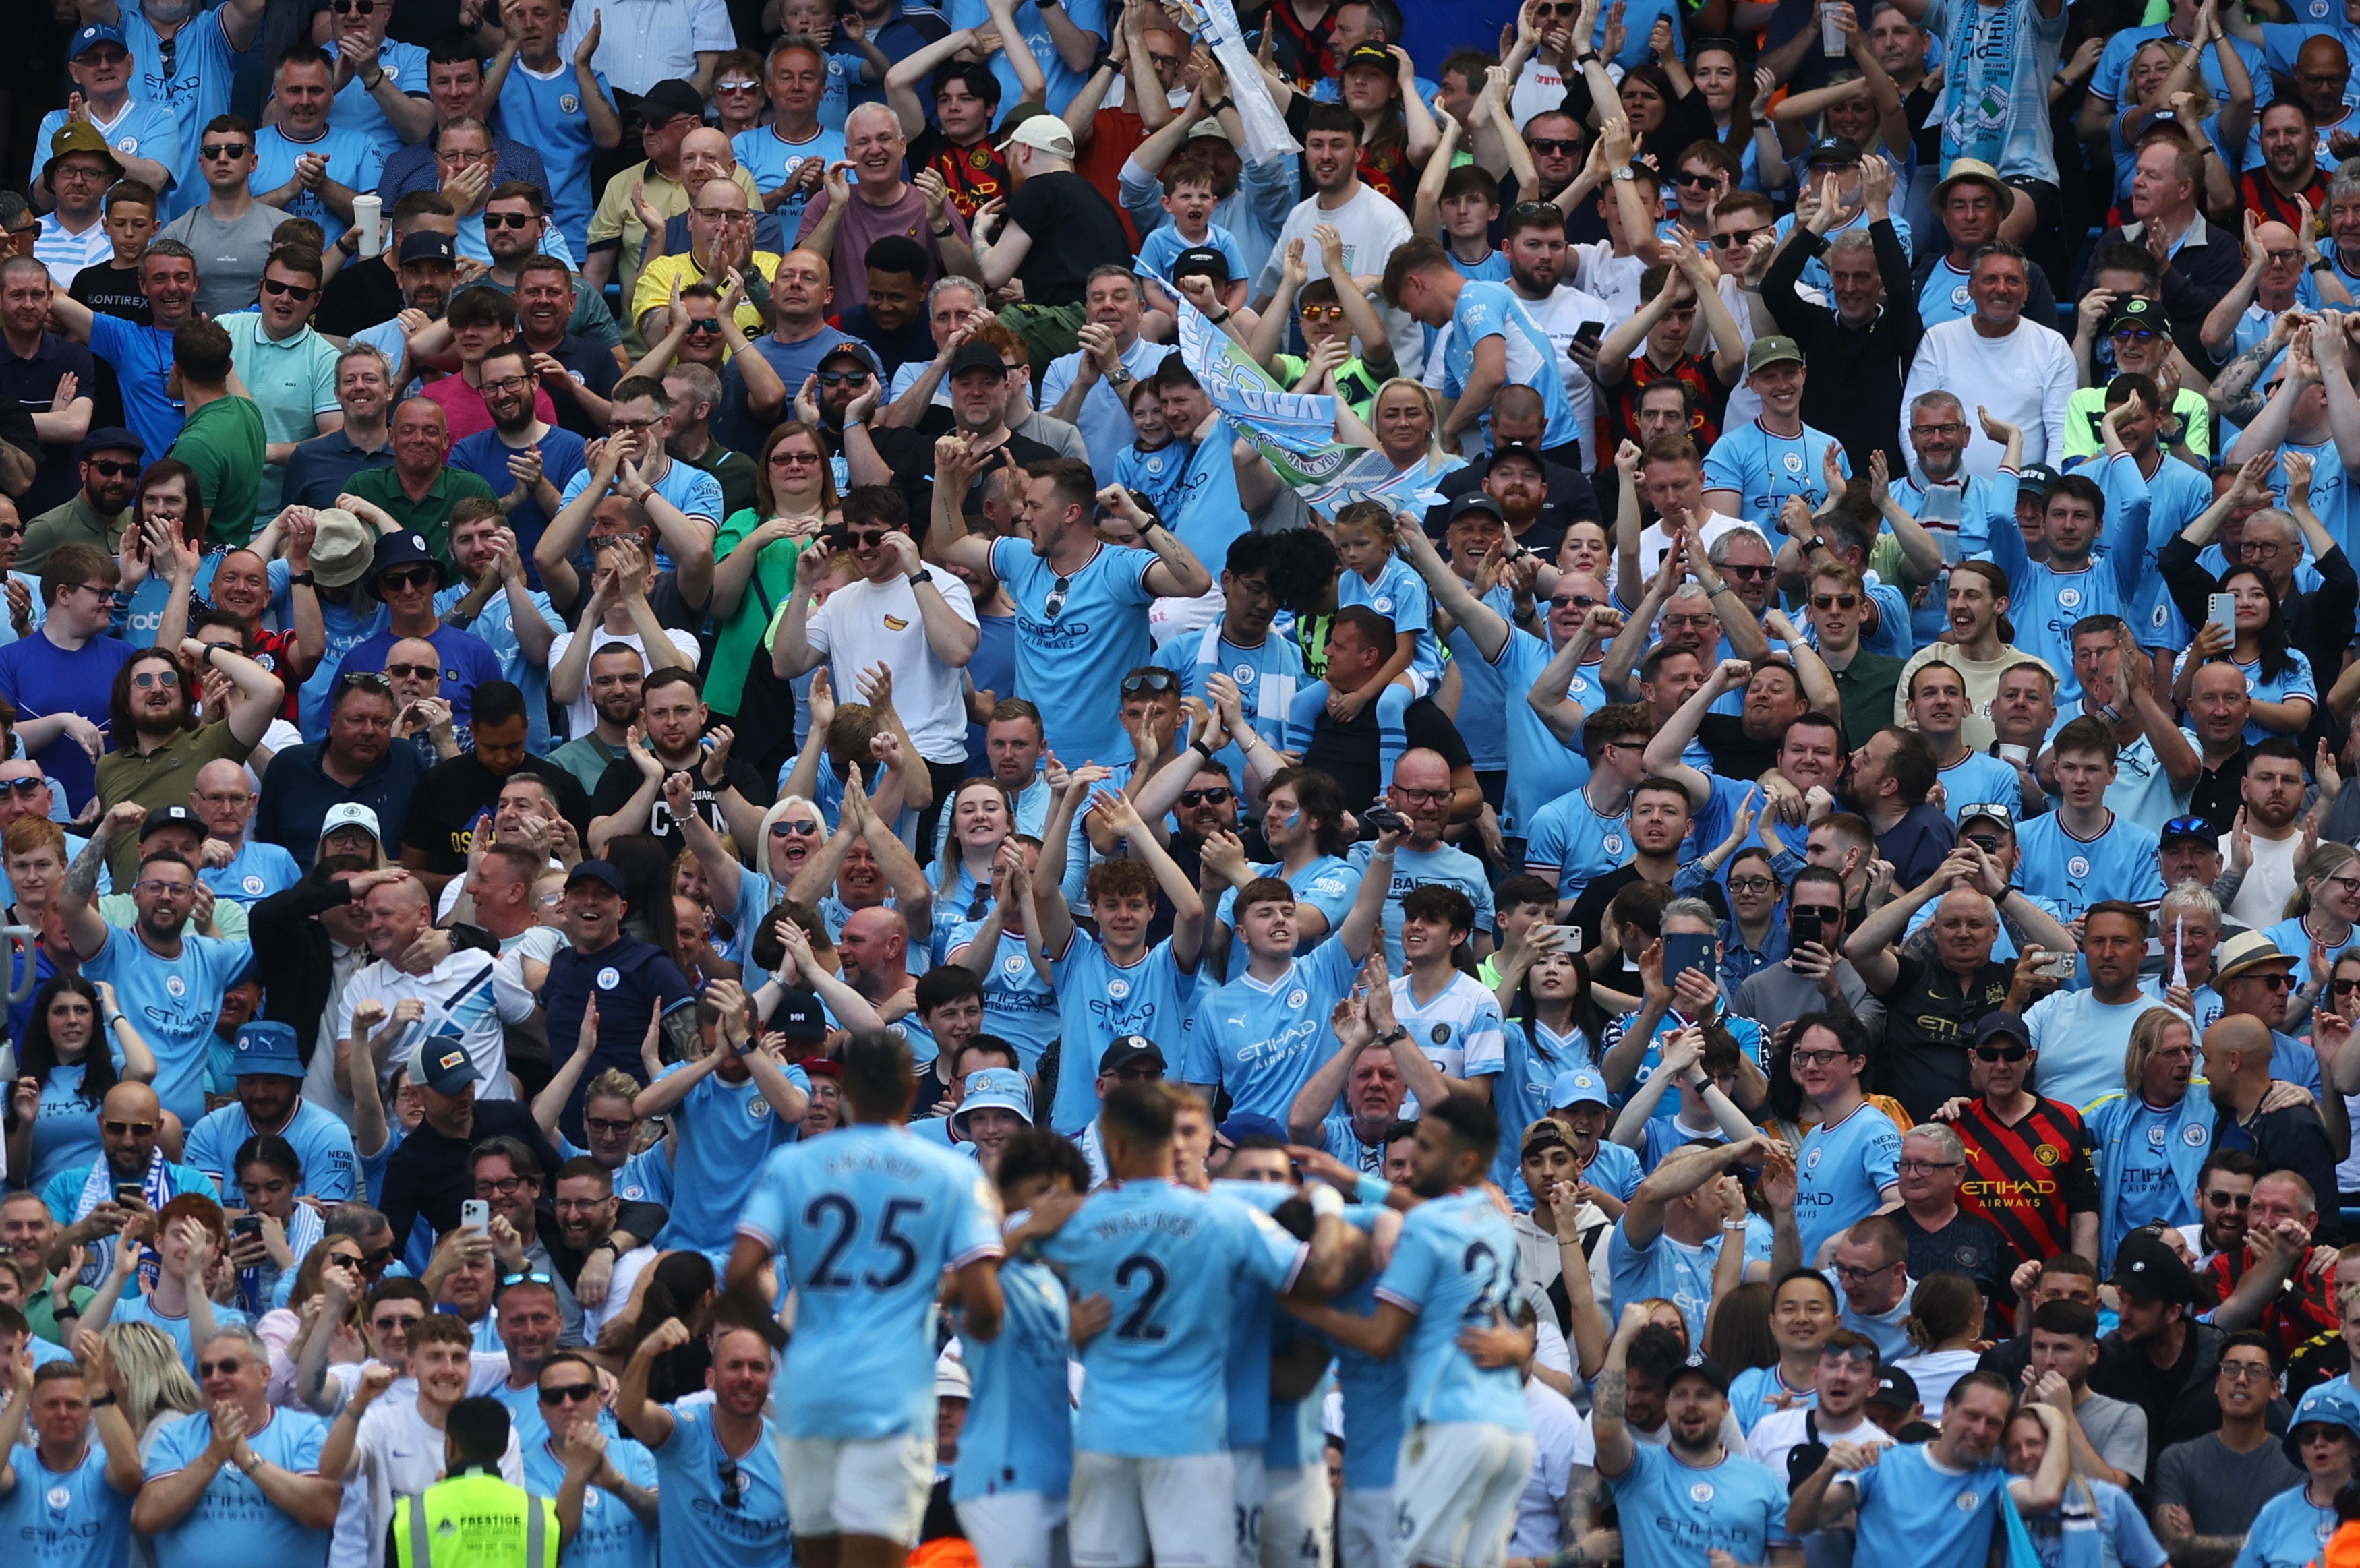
(1616, 1447)
(2234, 397)
(76, 895)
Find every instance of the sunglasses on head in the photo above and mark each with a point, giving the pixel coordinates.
(2002, 1053)
(299, 292)
(1150, 680)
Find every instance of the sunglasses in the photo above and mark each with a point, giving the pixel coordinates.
(2230, 1200)
(2002, 1053)
(1055, 605)
(108, 468)
(368, 680)
(1691, 177)
(1150, 680)
(2188, 827)
(398, 1323)
(511, 219)
(2275, 982)
(795, 827)
(843, 378)
(414, 672)
(349, 7)
(570, 1394)
(299, 292)
(229, 1368)
(1556, 147)
(406, 577)
(1835, 601)
(1819, 912)
(864, 538)
(528, 1277)
(220, 150)
(1750, 574)
(1220, 795)
(709, 326)
(23, 788)
(1322, 312)
(127, 1130)
(148, 678)
(733, 1485)
(1736, 239)
(1573, 601)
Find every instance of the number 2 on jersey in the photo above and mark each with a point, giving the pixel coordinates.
(1135, 1326)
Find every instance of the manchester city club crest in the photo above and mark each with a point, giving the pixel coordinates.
(609, 977)
(2078, 865)
(567, 103)
(1297, 997)
(1118, 988)
(1612, 843)
(2155, 1137)
(2069, 598)
(176, 986)
(1701, 1492)
(1793, 460)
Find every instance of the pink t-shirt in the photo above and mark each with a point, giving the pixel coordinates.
(864, 224)
(463, 405)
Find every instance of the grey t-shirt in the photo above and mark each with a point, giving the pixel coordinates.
(2220, 1489)
(229, 257)
(2117, 1430)
(1774, 995)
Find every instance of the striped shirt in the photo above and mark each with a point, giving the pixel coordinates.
(65, 253)
(2028, 1179)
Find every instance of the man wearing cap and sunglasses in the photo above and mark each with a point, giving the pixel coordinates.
(95, 515)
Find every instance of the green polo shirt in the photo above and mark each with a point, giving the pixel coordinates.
(292, 381)
(1867, 686)
(223, 442)
(160, 778)
(430, 516)
(76, 522)
(41, 1312)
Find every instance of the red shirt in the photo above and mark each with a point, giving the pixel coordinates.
(2304, 1307)
(2029, 1179)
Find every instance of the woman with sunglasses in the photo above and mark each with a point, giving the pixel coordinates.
(2149, 1142)
(281, 1328)
(755, 553)
(60, 1083)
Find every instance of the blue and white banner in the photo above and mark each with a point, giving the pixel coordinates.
(1266, 133)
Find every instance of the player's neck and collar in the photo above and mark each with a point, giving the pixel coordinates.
(1430, 974)
(2009, 1111)
(1839, 1108)
(1706, 1458)
(2085, 824)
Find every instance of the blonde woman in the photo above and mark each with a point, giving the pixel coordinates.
(2166, 79)
(142, 1367)
(756, 551)
(2320, 918)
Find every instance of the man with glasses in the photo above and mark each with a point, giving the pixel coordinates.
(230, 233)
(915, 619)
(508, 1179)
(2204, 1494)
(455, 88)
(523, 457)
(304, 166)
(241, 1475)
(1941, 1235)
(619, 1516)
(587, 1226)
(615, 672)
(80, 168)
(64, 673)
(168, 978)
(92, 1203)
(681, 506)
(288, 369)
(143, 132)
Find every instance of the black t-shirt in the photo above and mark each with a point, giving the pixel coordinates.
(1073, 229)
(1590, 909)
(913, 341)
(1347, 751)
(1735, 753)
(363, 292)
(455, 795)
(586, 364)
(1929, 1021)
(911, 454)
(1967, 1246)
(622, 781)
(2219, 791)
(113, 291)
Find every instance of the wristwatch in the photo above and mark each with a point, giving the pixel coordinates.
(918, 578)
(301, 580)
(942, 233)
(1625, 172)
(1392, 1035)
(2321, 265)
(1216, 108)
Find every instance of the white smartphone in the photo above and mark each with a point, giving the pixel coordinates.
(2220, 610)
(2059, 967)
(475, 1212)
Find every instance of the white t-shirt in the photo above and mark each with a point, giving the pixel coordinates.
(1780, 1431)
(2262, 896)
(864, 623)
(1372, 227)
(581, 717)
(618, 1292)
(459, 1005)
(1655, 544)
(398, 1456)
(2024, 379)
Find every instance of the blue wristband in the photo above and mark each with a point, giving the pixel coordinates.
(1373, 1188)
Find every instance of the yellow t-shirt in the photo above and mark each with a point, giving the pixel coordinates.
(654, 287)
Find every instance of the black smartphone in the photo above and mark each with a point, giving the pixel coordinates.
(1684, 951)
(1802, 927)
(1382, 818)
(1588, 334)
(127, 1192)
(249, 1226)
(837, 535)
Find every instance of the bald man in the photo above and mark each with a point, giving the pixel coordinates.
(468, 992)
(2323, 72)
(875, 948)
(421, 713)
(2292, 1137)
(238, 871)
(128, 1182)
